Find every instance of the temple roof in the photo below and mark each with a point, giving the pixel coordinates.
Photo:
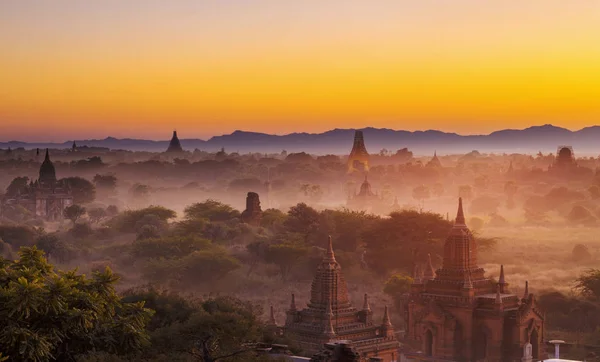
(174, 145)
(47, 171)
(365, 188)
(329, 287)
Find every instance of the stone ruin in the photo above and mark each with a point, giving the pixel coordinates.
(253, 212)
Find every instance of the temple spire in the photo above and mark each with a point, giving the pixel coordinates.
(174, 145)
(293, 304)
(460, 215)
(330, 255)
(501, 280)
(366, 305)
(526, 294)
(386, 318)
(47, 157)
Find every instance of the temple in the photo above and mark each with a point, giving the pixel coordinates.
(457, 314)
(174, 145)
(358, 160)
(564, 163)
(330, 317)
(365, 199)
(253, 213)
(434, 162)
(45, 198)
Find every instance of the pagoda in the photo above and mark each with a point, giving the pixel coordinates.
(434, 162)
(359, 154)
(47, 197)
(330, 317)
(365, 199)
(174, 145)
(455, 313)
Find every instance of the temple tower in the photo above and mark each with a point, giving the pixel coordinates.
(47, 175)
(358, 154)
(174, 145)
(330, 317)
(460, 315)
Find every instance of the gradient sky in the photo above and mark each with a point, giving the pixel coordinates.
(139, 68)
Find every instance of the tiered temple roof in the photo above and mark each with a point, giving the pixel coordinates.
(358, 153)
(458, 306)
(330, 316)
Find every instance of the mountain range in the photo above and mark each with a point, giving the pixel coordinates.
(544, 138)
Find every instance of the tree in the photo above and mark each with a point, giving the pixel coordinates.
(96, 214)
(112, 210)
(402, 239)
(312, 192)
(588, 283)
(105, 183)
(217, 329)
(126, 221)
(53, 315)
(17, 185)
(397, 286)
(211, 210)
(140, 192)
(169, 248)
(17, 236)
(83, 191)
(285, 256)
(48, 243)
(302, 219)
(74, 212)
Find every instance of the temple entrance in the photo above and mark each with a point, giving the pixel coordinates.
(428, 343)
(535, 343)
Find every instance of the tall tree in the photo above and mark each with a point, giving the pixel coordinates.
(53, 315)
(83, 191)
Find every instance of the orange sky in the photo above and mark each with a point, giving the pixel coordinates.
(141, 68)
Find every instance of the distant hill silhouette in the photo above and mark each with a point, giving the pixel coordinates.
(544, 138)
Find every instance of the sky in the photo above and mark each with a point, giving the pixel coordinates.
(140, 68)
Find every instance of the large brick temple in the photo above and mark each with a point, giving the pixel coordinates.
(330, 317)
(457, 314)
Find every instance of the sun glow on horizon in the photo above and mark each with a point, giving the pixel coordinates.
(140, 69)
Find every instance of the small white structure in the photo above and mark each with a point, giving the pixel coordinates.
(557, 343)
(527, 353)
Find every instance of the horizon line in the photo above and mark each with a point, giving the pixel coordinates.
(299, 132)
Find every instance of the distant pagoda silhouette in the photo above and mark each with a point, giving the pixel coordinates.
(359, 154)
(174, 145)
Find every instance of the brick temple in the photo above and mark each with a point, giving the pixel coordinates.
(330, 317)
(457, 314)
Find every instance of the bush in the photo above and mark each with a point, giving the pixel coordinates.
(126, 221)
(17, 236)
(81, 230)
